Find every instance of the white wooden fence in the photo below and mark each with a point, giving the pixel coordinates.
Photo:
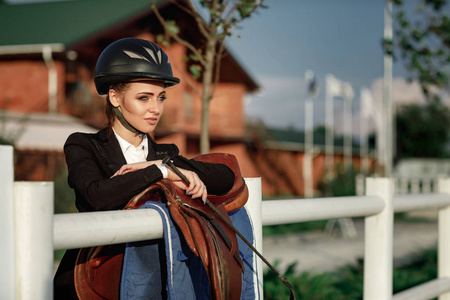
(420, 184)
(30, 232)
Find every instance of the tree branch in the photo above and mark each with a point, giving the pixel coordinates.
(200, 22)
(177, 38)
(218, 64)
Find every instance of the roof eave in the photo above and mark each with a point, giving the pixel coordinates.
(31, 48)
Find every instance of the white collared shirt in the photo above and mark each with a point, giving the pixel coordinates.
(133, 154)
(137, 154)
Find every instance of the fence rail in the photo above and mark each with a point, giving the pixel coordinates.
(31, 232)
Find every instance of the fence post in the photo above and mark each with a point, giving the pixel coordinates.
(7, 254)
(254, 207)
(33, 210)
(378, 251)
(444, 236)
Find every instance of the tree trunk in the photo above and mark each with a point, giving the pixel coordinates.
(206, 97)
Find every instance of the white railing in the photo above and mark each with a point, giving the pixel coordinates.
(420, 184)
(30, 232)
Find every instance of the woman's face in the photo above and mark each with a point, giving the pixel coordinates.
(141, 104)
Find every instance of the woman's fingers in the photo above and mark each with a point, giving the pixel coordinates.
(196, 188)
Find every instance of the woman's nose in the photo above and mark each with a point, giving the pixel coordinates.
(154, 107)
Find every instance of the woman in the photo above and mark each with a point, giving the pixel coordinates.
(108, 168)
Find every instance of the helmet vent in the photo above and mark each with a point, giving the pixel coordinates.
(152, 54)
(135, 55)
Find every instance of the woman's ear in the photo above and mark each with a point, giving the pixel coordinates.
(113, 97)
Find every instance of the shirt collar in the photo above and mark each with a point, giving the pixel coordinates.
(124, 145)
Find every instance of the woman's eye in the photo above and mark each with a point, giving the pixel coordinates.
(143, 98)
(162, 98)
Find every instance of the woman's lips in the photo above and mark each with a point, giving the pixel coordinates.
(151, 121)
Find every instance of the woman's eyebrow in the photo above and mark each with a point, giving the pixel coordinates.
(145, 93)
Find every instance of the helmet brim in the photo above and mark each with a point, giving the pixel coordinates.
(104, 81)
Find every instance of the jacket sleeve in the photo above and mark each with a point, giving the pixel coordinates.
(94, 188)
(218, 178)
(89, 176)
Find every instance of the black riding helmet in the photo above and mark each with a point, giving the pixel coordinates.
(132, 58)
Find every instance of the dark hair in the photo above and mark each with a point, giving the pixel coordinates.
(109, 112)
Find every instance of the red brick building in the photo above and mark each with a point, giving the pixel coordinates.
(47, 60)
(48, 57)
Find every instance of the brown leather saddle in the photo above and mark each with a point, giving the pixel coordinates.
(98, 269)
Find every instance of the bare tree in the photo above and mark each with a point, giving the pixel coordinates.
(219, 19)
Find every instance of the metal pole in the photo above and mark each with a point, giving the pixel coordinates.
(329, 139)
(387, 92)
(364, 145)
(312, 90)
(254, 207)
(33, 209)
(309, 147)
(7, 253)
(444, 237)
(378, 242)
(347, 132)
(52, 79)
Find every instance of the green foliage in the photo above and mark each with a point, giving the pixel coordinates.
(350, 280)
(305, 285)
(161, 39)
(64, 195)
(342, 184)
(246, 7)
(347, 282)
(422, 39)
(423, 267)
(293, 228)
(172, 27)
(429, 124)
(9, 136)
(195, 70)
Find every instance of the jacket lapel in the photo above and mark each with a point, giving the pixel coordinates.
(110, 150)
(158, 151)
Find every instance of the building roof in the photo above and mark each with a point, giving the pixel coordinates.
(292, 139)
(63, 22)
(87, 26)
(39, 131)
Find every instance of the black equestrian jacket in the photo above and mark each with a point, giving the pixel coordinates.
(93, 158)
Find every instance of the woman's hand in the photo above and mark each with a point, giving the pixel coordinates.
(196, 188)
(135, 166)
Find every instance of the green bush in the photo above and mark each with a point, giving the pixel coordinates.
(293, 228)
(347, 282)
(342, 184)
(305, 285)
(64, 195)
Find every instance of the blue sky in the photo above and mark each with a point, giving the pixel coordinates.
(327, 36)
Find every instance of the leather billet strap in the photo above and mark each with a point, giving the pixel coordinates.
(169, 163)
